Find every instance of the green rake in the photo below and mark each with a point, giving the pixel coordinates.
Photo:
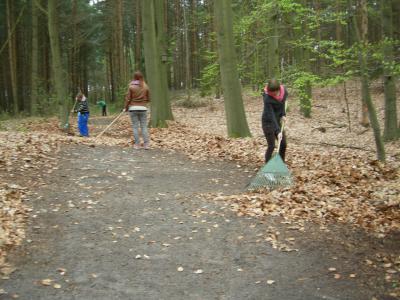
(273, 174)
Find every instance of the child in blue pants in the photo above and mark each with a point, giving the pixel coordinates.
(83, 115)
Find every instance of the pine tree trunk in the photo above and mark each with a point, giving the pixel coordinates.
(305, 89)
(119, 47)
(35, 61)
(178, 51)
(161, 35)
(338, 25)
(317, 7)
(364, 40)
(234, 108)
(160, 105)
(273, 49)
(76, 84)
(138, 38)
(3, 84)
(194, 45)
(112, 76)
(56, 63)
(391, 132)
(12, 54)
(187, 56)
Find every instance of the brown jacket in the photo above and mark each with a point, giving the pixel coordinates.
(137, 95)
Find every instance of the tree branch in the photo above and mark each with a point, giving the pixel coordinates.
(38, 5)
(13, 29)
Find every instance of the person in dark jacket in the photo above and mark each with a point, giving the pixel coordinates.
(83, 115)
(273, 116)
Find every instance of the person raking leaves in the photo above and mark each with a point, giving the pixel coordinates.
(274, 173)
(273, 117)
(136, 103)
(83, 115)
(102, 104)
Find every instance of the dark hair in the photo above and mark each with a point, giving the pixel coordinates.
(273, 85)
(138, 75)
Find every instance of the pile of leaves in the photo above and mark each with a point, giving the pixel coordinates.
(24, 157)
(13, 214)
(331, 186)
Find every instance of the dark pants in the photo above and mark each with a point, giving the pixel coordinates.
(104, 110)
(271, 138)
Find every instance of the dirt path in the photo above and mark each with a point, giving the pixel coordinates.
(117, 223)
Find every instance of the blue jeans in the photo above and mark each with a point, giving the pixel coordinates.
(139, 117)
(82, 123)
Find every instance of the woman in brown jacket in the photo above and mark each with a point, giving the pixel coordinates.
(136, 103)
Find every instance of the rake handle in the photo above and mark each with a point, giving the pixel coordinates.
(283, 125)
(281, 136)
(101, 133)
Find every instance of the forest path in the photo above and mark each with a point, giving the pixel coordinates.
(116, 223)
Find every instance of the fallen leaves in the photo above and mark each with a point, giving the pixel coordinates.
(13, 214)
(46, 282)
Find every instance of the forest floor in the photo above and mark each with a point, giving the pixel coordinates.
(95, 219)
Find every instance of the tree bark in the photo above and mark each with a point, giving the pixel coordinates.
(273, 49)
(119, 46)
(391, 131)
(234, 108)
(59, 79)
(380, 147)
(188, 80)
(364, 39)
(35, 60)
(75, 55)
(160, 105)
(12, 55)
(138, 37)
(194, 43)
(338, 25)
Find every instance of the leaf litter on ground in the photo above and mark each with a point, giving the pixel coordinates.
(337, 178)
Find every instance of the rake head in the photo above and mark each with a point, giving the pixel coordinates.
(272, 175)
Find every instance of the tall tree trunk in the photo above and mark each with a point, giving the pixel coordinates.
(12, 54)
(234, 108)
(273, 49)
(56, 63)
(188, 80)
(161, 34)
(75, 53)
(35, 60)
(391, 130)
(364, 39)
(138, 37)
(305, 87)
(317, 7)
(112, 81)
(338, 25)
(380, 147)
(176, 79)
(160, 105)
(194, 44)
(118, 47)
